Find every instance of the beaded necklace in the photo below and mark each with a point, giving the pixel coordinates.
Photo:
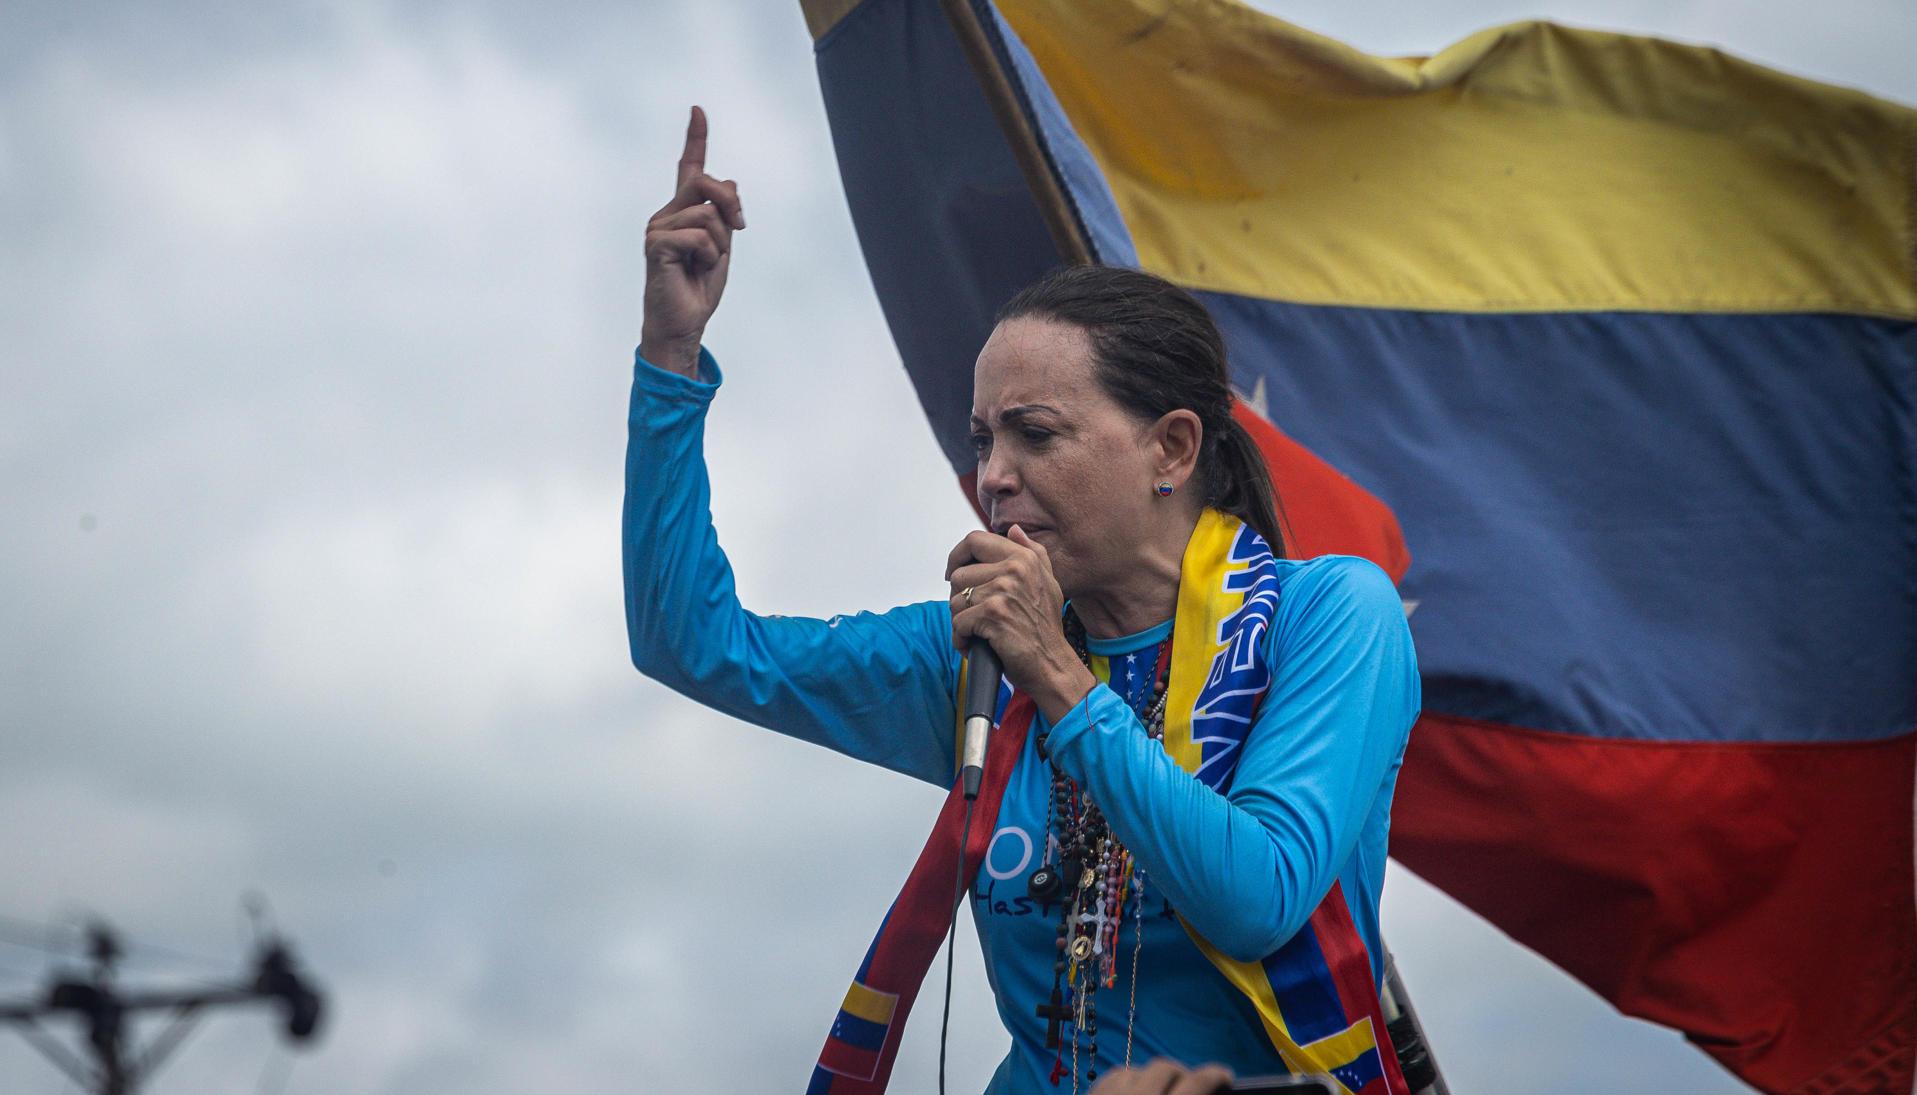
(1092, 882)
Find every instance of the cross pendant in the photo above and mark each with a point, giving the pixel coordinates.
(1053, 1013)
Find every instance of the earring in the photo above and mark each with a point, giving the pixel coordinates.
(1165, 488)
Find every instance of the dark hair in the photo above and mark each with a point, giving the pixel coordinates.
(1157, 350)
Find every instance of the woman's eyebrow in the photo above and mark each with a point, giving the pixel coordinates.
(1024, 410)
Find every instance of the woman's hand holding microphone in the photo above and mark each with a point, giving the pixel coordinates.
(688, 251)
(1003, 592)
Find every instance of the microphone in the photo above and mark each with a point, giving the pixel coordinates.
(982, 673)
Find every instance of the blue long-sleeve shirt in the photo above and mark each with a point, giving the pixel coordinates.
(1309, 805)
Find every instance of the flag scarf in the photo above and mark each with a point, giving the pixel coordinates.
(1623, 332)
(1314, 996)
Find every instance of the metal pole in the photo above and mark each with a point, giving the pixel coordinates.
(976, 42)
(1400, 1016)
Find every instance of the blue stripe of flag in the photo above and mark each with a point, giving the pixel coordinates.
(865, 964)
(1664, 476)
(1365, 1068)
(1306, 994)
(854, 1031)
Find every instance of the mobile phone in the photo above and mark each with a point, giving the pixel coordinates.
(1291, 1083)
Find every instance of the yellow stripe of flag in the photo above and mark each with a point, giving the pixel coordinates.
(1202, 606)
(1320, 1056)
(870, 1004)
(1529, 167)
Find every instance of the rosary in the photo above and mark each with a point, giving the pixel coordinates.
(1092, 882)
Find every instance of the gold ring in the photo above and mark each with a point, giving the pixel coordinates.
(967, 594)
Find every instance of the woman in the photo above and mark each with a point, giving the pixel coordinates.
(1194, 773)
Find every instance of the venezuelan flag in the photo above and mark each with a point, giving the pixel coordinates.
(1621, 333)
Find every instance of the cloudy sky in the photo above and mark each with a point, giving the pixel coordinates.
(315, 336)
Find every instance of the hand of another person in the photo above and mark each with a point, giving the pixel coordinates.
(1003, 592)
(688, 251)
(1163, 1077)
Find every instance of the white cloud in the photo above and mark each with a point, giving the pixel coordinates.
(443, 610)
(101, 850)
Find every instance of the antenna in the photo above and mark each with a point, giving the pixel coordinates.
(105, 1010)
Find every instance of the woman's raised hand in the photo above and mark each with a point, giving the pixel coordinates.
(688, 250)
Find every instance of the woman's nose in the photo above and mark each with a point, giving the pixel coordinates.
(997, 476)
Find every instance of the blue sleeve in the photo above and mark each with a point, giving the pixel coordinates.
(876, 686)
(1247, 869)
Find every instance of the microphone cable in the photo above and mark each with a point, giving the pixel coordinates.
(951, 939)
(983, 675)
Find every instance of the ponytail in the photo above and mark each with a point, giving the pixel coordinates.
(1239, 482)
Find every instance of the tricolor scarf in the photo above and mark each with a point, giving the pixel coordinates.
(1314, 995)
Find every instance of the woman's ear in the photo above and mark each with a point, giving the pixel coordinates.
(1177, 436)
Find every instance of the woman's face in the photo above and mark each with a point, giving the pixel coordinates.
(1056, 455)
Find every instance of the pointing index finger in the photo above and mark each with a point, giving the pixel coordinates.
(692, 162)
